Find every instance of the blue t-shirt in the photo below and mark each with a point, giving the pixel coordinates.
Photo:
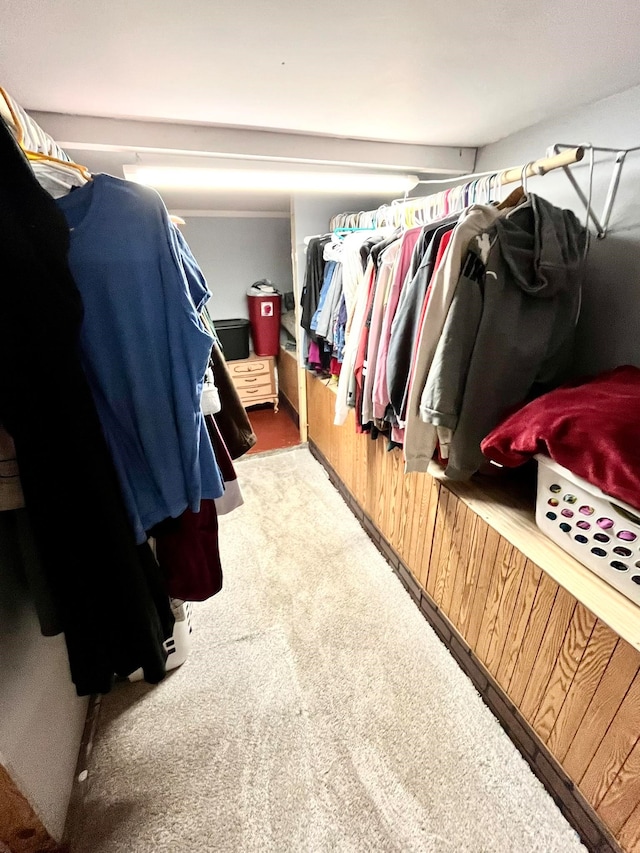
(143, 346)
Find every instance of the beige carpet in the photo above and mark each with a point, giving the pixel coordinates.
(317, 711)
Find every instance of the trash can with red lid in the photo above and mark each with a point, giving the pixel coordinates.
(265, 306)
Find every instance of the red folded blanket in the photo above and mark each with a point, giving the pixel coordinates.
(593, 429)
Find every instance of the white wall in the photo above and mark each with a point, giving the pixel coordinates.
(233, 252)
(41, 718)
(609, 327)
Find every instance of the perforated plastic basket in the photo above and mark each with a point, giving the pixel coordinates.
(601, 532)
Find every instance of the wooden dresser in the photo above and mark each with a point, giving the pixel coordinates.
(256, 380)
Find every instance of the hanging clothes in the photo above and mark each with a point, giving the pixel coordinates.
(232, 419)
(444, 242)
(232, 497)
(359, 281)
(188, 552)
(463, 318)
(509, 332)
(345, 398)
(403, 265)
(404, 328)
(387, 261)
(313, 281)
(143, 346)
(109, 593)
(421, 438)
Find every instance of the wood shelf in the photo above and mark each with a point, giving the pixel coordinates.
(508, 508)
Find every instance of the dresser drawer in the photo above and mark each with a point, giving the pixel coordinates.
(260, 379)
(262, 394)
(249, 368)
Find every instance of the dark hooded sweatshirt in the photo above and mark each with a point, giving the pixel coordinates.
(509, 333)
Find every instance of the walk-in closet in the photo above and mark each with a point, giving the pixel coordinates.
(319, 448)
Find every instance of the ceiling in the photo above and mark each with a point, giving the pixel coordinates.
(455, 73)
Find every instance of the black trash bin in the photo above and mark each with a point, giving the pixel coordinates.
(234, 338)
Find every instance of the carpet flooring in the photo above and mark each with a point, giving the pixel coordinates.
(274, 430)
(316, 712)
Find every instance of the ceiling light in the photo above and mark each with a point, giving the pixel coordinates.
(165, 177)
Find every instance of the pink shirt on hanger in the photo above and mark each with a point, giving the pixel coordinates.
(380, 391)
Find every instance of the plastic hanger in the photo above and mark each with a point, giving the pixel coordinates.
(36, 157)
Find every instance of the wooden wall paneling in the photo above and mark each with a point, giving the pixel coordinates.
(339, 443)
(359, 466)
(365, 465)
(451, 603)
(591, 668)
(402, 509)
(459, 547)
(439, 535)
(345, 452)
(566, 666)
(621, 670)
(629, 836)
(423, 533)
(342, 449)
(533, 637)
(328, 429)
(383, 487)
(522, 607)
(486, 635)
(315, 416)
(614, 748)
(390, 495)
(373, 474)
(554, 635)
(448, 560)
(288, 377)
(388, 510)
(461, 614)
(320, 420)
(500, 629)
(620, 801)
(350, 452)
(483, 582)
(421, 488)
(396, 497)
(411, 499)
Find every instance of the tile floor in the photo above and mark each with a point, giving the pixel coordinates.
(274, 430)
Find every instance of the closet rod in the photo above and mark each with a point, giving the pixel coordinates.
(514, 173)
(542, 166)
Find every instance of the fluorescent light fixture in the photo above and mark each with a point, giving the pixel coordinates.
(166, 177)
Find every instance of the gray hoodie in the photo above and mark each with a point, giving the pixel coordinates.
(509, 332)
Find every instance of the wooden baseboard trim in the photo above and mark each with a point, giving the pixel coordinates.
(577, 811)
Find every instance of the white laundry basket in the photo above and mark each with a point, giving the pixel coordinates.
(178, 645)
(601, 532)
